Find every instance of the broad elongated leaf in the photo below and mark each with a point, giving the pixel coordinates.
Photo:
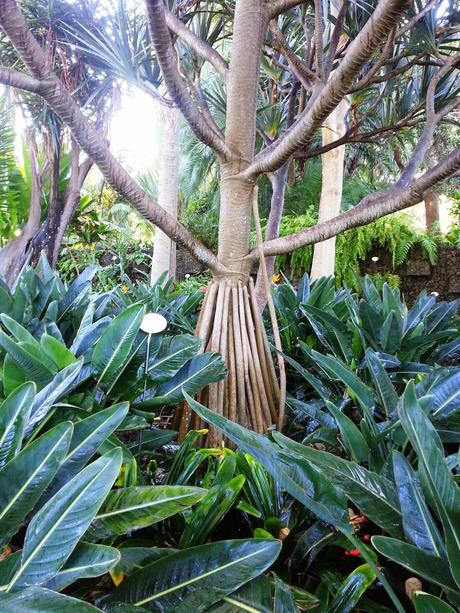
(14, 413)
(284, 600)
(197, 373)
(33, 368)
(427, 603)
(375, 495)
(174, 353)
(351, 590)
(114, 346)
(57, 351)
(87, 560)
(44, 400)
(55, 530)
(436, 479)
(211, 510)
(40, 600)
(353, 440)
(385, 389)
(20, 333)
(253, 597)
(302, 480)
(338, 370)
(78, 287)
(88, 435)
(417, 561)
(132, 508)
(24, 479)
(194, 579)
(419, 527)
(446, 396)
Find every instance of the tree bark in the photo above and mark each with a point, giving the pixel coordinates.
(278, 182)
(331, 190)
(164, 249)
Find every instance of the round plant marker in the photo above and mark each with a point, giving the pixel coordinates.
(153, 323)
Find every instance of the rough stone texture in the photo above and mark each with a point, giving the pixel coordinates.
(417, 274)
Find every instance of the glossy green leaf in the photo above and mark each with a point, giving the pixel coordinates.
(302, 480)
(383, 385)
(39, 600)
(193, 579)
(24, 479)
(58, 352)
(375, 495)
(427, 603)
(174, 352)
(132, 508)
(14, 413)
(347, 596)
(87, 560)
(419, 527)
(353, 440)
(198, 372)
(88, 435)
(417, 561)
(284, 600)
(55, 530)
(113, 348)
(32, 367)
(436, 479)
(210, 512)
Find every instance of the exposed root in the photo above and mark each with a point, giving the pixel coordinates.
(230, 323)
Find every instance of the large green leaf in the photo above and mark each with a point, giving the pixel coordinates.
(427, 603)
(57, 351)
(437, 481)
(132, 508)
(87, 560)
(88, 435)
(55, 530)
(194, 579)
(253, 597)
(385, 389)
(32, 367)
(301, 479)
(20, 333)
(60, 385)
(374, 494)
(14, 413)
(199, 372)
(284, 600)
(24, 479)
(336, 369)
(174, 352)
(210, 512)
(417, 560)
(419, 527)
(78, 287)
(113, 348)
(39, 600)
(353, 440)
(351, 590)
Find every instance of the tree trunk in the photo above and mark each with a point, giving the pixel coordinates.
(278, 181)
(431, 199)
(164, 249)
(331, 190)
(230, 321)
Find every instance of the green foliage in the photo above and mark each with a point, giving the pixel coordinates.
(394, 233)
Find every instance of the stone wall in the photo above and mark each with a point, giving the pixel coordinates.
(416, 274)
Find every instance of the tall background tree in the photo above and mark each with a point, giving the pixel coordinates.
(383, 52)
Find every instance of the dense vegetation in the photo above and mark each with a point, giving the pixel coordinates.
(100, 504)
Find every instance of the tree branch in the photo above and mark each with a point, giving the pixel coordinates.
(90, 140)
(199, 46)
(378, 26)
(372, 207)
(13, 78)
(299, 68)
(281, 6)
(161, 40)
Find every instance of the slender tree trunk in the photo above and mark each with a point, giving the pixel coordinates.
(15, 254)
(230, 320)
(331, 190)
(164, 249)
(431, 200)
(278, 182)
